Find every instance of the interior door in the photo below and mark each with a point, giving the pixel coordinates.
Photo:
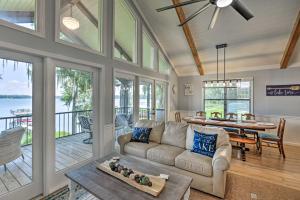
(146, 99)
(21, 105)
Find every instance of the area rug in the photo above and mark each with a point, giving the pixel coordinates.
(62, 194)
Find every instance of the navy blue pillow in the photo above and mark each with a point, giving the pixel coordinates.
(141, 134)
(205, 144)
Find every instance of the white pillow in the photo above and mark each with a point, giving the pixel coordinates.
(221, 139)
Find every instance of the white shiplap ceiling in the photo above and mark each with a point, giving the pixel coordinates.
(253, 45)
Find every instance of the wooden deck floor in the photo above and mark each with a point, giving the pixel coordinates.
(69, 151)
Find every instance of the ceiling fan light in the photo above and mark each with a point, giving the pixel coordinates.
(71, 23)
(223, 3)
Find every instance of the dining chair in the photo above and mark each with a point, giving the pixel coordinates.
(248, 116)
(216, 115)
(201, 113)
(272, 139)
(231, 116)
(177, 117)
(231, 131)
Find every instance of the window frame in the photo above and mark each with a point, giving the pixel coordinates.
(160, 52)
(77, 46)
(137, 20)
(40, 21)
(225, 99)
(154, 45)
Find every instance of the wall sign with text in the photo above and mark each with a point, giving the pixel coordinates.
(283, 90)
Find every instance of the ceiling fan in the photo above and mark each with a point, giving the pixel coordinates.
(235, 4)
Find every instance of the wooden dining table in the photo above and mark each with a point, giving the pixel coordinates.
(231, 123)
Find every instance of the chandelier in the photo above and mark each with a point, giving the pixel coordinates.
(71, 22)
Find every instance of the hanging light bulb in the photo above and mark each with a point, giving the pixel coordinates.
(71, 22)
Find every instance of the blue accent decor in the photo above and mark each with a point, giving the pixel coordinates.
(205, 144)
(268, 136)
(141, 134)
(233, 130)
(248, 131)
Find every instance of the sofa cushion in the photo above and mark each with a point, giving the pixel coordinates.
(141, 134)
(138, 149)
(157, 129)
(195, 163)
(175, 134)
(164, 154)
(222, 139)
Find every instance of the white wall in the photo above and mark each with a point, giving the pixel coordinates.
(265, 107)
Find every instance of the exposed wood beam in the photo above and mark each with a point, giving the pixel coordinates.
(189, 37)
(87, 13)
(122, 51)
(290, 47)
(17, 16)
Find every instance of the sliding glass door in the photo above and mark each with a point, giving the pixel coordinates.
(20, 126)
(146, 99)
(123, 103)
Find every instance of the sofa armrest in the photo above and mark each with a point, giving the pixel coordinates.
(222, 158)
(122, 140)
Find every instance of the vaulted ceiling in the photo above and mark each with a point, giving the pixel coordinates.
(253, 45)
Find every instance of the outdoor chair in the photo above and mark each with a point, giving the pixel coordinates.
(86, 127)
(10, 145)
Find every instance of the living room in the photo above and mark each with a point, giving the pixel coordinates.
(149, 99)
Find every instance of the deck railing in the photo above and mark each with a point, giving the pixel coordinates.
(66, 124)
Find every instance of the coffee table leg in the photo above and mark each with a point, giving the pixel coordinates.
(187, 194)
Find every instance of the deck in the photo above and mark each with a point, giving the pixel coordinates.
(69, 151)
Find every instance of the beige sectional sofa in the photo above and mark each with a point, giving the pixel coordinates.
(170, 147)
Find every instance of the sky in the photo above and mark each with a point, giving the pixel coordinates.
(15, 80)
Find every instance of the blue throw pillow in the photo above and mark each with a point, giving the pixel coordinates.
(205, 144)
(141, 134)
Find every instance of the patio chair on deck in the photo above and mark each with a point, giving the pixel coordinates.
(86, 127)
(10, 145)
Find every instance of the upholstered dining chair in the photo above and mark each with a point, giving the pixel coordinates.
(10, 145)
(86, 127)
(231, 116)
(201, 113)
(248, 116)
(272, 139)
(216, 115)
(177, 117)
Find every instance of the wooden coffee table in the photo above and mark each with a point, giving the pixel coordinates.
(106, 187)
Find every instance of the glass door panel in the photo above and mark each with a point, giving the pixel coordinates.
(123, 103)
(146, 100)
(73, 117)
(160, 101)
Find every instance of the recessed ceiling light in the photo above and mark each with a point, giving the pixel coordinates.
(223, 3)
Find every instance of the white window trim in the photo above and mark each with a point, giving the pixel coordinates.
(40, 17)
(77, 46)
(167, 61)
(134, 15)
(155, 67)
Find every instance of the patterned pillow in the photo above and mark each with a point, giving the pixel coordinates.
(205, 144)
(141, 134)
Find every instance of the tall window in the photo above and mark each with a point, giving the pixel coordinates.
(164, 66)
(148, 52)
(22, 13)
(125, 32)
(228, 99)
(80, 23)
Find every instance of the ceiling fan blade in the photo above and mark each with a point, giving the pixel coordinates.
(242, 9)
(195, 14)
(178, 5)
(214, 18)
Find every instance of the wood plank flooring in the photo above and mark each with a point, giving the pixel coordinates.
(69, 151)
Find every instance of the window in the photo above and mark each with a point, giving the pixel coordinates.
(125, 43)
(80, 23)
(148, 52)
(164, 66)
(21, 14)
(228, 99)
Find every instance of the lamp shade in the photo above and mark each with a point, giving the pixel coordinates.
(71, 23)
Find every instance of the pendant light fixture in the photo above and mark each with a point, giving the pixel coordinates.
(71, 22)
(232, 83)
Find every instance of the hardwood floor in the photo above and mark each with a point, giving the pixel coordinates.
(69, 151)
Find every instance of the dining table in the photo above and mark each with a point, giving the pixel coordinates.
(242, 125)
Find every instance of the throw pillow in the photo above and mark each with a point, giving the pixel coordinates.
(141, 134)
(205, 144)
